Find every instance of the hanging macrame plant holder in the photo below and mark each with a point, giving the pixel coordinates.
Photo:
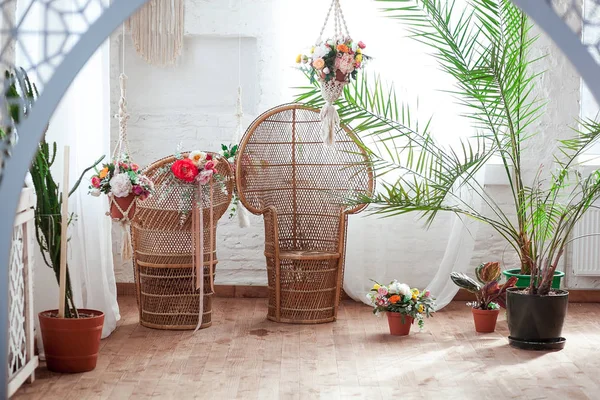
(242, 213)
(157, 31)
(122, 209)
(332, 89)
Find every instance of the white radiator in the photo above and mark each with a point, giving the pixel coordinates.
(586, 249)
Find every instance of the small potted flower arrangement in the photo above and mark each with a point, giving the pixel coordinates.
(490, 295)
(402, 305)
(123, 182)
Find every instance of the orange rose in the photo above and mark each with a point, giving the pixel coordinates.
(342, 48)
(394, 299)
(103, 173)
(319, 63)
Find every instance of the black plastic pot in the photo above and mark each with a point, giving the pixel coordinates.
(535, 322)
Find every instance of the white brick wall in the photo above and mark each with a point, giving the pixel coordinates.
(157, 124)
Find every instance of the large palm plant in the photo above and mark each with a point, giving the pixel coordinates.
(485, 48)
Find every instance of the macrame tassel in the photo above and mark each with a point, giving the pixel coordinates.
(330, 119)
(330, 123)
(126, 253)
(157, 31)
(243, 217)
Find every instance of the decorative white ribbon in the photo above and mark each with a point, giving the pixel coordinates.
(198, 242)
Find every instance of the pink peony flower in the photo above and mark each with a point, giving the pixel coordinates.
(345, 63)
(95, 181)
(361, 44)
(427, 293)
(134, 166)
(204, 177)
(137, 190)
(382, 291)
(210, 165)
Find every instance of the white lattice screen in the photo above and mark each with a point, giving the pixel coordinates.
(21, 358)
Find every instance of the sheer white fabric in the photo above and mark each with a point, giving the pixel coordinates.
(82, 121)
(375, 251)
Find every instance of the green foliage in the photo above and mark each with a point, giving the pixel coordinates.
(20, 96)
(485, 48)
(229, 152)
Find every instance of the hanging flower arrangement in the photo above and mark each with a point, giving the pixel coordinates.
(333, 62)
(121, 179)
(333, 59)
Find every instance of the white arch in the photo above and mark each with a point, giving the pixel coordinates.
(568, 42)
(30, 133)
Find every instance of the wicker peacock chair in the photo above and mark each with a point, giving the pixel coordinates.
(285, 173)
(163, 248)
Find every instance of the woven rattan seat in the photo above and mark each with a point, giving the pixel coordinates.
(307, 255)
(285, 173)
(163, 248)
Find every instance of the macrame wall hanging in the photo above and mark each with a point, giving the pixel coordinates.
(333, 62)
(157, 31)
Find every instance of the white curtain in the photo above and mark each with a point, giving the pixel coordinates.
(82, 121)
(452, 236)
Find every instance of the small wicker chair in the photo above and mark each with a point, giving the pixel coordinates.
(285, 173)
(163, 248)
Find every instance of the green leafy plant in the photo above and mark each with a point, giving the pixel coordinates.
(20, 95)
(229, 152)
(485, 48)
(490, 295)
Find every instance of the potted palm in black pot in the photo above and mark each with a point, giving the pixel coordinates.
(485, 48)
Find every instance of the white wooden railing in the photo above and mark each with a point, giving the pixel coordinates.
(22, 360)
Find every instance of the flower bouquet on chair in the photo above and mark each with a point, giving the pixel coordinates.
(333, 63)
(402, 305)
(198, 170)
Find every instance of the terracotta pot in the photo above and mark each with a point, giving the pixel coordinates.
(124, 203)
(397, 327)
(485, 320)
(71, 344)
(340, 76)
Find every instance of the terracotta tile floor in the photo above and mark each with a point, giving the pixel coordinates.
(244, 356)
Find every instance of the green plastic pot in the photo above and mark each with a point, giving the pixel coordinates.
(524, 280)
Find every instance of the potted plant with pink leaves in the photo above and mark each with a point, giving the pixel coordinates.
(402, 305)
(490, 295)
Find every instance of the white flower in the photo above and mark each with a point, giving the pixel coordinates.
(326, 70)
(394, 287)
(120, 185)
(198, 157)
(320, 51)
(354, 46)
(95, 192)
(404, 289)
